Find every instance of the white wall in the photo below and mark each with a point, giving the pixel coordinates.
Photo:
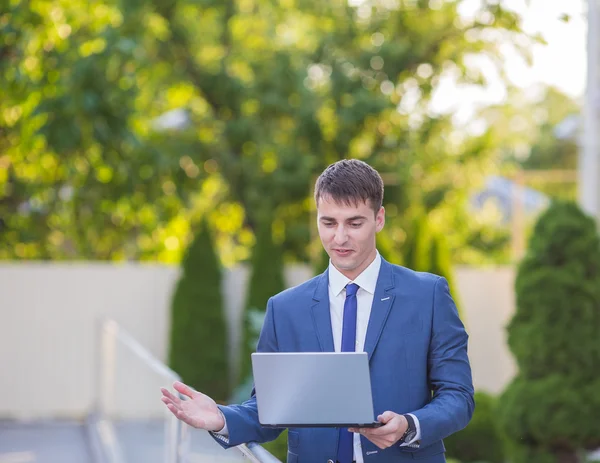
(47, 333)
(49, 314)
(487, 302)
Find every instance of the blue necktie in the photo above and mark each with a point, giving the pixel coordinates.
(346, 445)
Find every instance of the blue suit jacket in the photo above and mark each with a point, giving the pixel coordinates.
(417, 348)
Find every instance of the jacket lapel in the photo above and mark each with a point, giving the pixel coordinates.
(382, 303)
(320, 313)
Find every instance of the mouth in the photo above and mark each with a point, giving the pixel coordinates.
(343, 252)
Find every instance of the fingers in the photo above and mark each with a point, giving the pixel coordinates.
(386, 435)
(376, 432)
(168, 402)
(181, 415)
(184, 389)
(390, 422)
(390, 427)
(172, 408)
(379, 441)
(386, 416)
(367, 432)
(382, 443)
(171, 397)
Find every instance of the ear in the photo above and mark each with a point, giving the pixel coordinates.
(380, 219)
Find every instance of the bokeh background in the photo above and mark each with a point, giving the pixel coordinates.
(157, 164)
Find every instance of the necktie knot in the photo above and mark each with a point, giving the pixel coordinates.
(351, 289)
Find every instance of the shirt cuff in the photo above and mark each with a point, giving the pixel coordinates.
(414, 442)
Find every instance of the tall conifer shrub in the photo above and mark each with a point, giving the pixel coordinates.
(551, 410)
(198, 342)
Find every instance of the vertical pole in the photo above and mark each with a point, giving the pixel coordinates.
(589, 160)
(172, 440)
(108, 366)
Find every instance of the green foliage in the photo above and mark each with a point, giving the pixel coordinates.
(416, 249)
(272, 92)
(387, 247)
(480, 440)
(74, 175)
(550, 411)
(279, 446)
(243, 391)
(266, 280)
(198, 349)
(426, 250)
(527, 129)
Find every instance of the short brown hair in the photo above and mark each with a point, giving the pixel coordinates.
(351, 181)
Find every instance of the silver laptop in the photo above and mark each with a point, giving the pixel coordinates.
(313, 389)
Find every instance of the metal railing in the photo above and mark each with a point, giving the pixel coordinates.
(130, 423)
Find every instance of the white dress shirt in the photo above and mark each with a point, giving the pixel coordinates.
(366, 281)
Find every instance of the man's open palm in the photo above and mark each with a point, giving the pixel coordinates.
(200, 411)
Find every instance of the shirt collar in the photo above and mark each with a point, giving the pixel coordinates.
(367, 280)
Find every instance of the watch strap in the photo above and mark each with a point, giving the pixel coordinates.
(410, 430)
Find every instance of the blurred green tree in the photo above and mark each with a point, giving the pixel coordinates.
(265, 95)
(480, 441)
(538, 131)
(425, 250)
(550, 411)
(266, 280)
(280, 104)
(198, 342)
(79, 175)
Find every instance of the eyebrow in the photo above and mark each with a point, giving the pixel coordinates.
(350, 219)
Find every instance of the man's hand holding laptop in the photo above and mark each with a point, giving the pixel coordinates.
(200, 411)
(387, 435)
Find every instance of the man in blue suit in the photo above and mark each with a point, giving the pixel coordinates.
(406, 321)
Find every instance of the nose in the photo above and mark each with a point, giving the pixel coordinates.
(340, 235)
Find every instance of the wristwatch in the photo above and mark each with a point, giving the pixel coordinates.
(410, 432)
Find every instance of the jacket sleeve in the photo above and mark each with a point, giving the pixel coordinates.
(449, 372)
(242, 420)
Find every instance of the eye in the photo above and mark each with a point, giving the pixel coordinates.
(356, 224)
(329, 224)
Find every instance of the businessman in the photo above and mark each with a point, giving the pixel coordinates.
(406, 321)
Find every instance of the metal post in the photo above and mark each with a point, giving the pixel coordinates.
(108, 367)
(589, 159)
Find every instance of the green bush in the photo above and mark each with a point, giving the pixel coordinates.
(198, 341)
(427, 251)
(266, 280)
(278, 447)
(480, 440)
(243, 391)
(551, 410)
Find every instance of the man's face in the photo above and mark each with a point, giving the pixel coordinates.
(348, 234)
